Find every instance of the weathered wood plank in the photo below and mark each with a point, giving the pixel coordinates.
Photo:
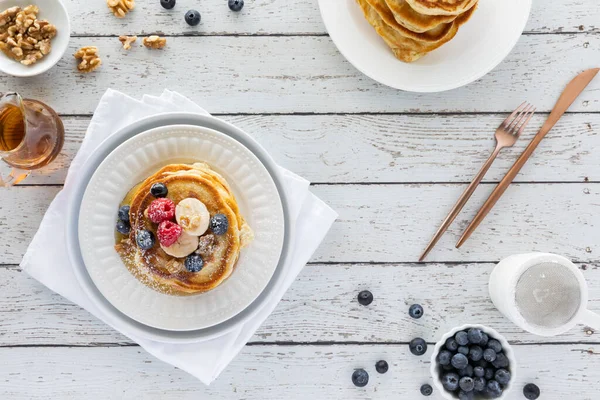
(274, 372)
(320, 306)
(395, 148)
(304, 74)
(392, 223)
(263, 17)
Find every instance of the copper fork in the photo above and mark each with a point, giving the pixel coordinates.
(506, 136)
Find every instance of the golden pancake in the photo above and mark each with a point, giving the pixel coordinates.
(441, 7)
(406, 16)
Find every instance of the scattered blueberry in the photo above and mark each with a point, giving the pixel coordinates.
(460, 361)
(475, 353)
(463, 350)
(159, 190)
(360, 378)
(466, 371)
(415, 311)
(382, 366)
(462, 395)
(531, 391)
(501, 361)
(167, 4)
(450, 381)
(466, 384)
(192, 17)
(475, 335)
(489, 355)
(495, 345)
(426, 390)
(219, 224)
(479, 372)
(451, 344)
(444, 357)
(502, 376)
(236, 5)
(479, 384)
(461, 338)
(124, 213)
(418, 346)
(484, 339)
(194, 263)
(123, 227)
(145, 239)
(489, 373)
(494, 389)
(365, 297)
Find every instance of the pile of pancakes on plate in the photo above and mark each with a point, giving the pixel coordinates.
(413, 28)
(164, 273)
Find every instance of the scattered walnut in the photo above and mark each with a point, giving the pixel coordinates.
(120, 7)
(7, 16)
(89, 59)
(127, 41)
(155, 42)
(206, 245)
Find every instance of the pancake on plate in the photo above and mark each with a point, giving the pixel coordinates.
(185, 230)
(441, 7)
(406, 16)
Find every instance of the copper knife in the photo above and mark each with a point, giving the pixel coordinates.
(571, 92)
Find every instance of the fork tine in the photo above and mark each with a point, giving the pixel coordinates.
(521, 127)
(519, 118)
(507, 121)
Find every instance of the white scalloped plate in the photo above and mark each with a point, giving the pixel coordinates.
(138, 158)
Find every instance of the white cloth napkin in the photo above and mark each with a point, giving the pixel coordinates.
(47, 260)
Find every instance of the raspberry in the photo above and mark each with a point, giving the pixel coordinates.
(161, 210)
(168, 233)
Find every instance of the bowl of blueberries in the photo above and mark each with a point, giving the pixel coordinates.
(473, 362)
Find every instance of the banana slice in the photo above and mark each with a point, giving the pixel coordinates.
(183, 247)
(192, 216)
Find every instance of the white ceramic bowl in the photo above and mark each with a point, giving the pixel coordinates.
(435, 373)
(56, 13)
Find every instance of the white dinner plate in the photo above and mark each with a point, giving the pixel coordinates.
(480, 45)
(135, 160)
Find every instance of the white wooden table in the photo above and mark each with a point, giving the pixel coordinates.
(391, 163)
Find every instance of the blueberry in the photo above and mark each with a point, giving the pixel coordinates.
(194, 263)
(462, 338)
(466, 384)
(360, 378)
(502, 376)
(192, 17)
(459, 361)
(167, 4)
(481, 363)
(479, 384)
(426, 390)
(415, 311)
(489, 355)
(484, 339)
(475, 353)
(418, 346)
(463, 350)
(123, 227)
(450, 381)
(365, 297)
(475, 335)
(451, 344)
(219, 224)
(531, 391)
(489, 373)
(462, 395)
(236, 5)
(479, 372)
(382, 366)
(466, 371)
(159, 190)
(495, 345)
(501, 361)
(444, 357)
(494, 389)
(124, 214)
(145, 239)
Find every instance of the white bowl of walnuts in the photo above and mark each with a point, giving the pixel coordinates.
(34, 35)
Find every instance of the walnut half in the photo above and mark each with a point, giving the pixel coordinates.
(120, 8)
(155, 42)
(88, 59)
(127, 41)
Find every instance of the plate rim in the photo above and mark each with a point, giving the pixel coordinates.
(110, 314)
(168, 130)
(416, 88)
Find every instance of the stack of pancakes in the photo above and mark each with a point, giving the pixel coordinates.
(165, 273)
(413, 28)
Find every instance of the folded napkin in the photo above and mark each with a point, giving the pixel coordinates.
(204, 359)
